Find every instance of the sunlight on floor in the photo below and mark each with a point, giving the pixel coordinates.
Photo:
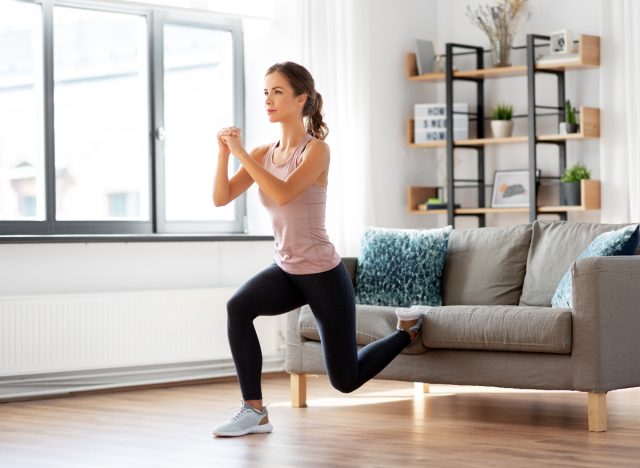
(415, 392)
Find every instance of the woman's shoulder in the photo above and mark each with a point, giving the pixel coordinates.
(317, 146)
(259, 152)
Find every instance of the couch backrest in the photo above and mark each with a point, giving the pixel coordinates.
(486, 266)
(554, 246)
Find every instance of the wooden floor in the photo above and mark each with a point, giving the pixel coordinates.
(382, 424)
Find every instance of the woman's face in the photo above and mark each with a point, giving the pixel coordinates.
(280, 102)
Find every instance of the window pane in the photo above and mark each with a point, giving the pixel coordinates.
(101, 115)
(21, 113)
(198, 101)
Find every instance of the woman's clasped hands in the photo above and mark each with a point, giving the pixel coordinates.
(229, 140)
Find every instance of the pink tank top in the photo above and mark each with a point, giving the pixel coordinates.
(302, 244)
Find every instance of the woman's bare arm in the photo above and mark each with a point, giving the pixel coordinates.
(225, 190)
(315, 162)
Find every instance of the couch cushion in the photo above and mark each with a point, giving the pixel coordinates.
(622, 241)
(494, 328)
(401, 267)
(372, 323)
(498, 328)
(485, 266)
(554, 246)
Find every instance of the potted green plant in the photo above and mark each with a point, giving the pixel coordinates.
(501, 123)
(570, 124)
(570, 193)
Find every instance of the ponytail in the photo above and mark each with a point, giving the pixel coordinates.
(314, 124)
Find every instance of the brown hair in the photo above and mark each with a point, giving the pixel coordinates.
(302, 83)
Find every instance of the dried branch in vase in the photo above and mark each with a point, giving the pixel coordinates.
(500, 23)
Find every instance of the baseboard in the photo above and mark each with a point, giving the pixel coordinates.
(15, 388)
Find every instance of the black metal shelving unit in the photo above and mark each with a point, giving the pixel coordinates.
(453, 183)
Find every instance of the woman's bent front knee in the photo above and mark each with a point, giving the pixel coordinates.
(239, 309)
(343, 385)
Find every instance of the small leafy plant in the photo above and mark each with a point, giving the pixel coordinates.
(502, 112)
(569, 113)
(576, 173)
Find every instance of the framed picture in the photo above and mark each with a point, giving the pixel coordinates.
(511, 189)
(561, 42)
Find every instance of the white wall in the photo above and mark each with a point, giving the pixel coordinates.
(395, 26)
(104, 267)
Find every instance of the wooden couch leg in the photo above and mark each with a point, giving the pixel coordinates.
(299, 390)
(420, 388)
(597, 406)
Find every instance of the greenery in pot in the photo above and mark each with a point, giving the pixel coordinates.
(570, 124)
(569, 112)
(501, 124)
(502, 112)
(576, 173)
(570, 193)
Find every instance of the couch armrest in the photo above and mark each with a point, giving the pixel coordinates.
(352, 264)
(606, 323)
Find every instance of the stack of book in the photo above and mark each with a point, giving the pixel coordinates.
(435, 204)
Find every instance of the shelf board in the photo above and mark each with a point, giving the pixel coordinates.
(493, 141)
(541, 209)
(517, 70)
(588, 57)
(590, 190)
(589, 128)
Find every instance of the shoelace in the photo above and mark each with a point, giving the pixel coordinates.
(239, 414)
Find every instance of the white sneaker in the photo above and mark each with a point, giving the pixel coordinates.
(247, 420)
(410, 320)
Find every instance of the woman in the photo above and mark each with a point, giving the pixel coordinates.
(292, 176)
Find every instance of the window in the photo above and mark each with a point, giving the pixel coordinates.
(21, 113)
(101, 96)
(108, 115)
(199, 80)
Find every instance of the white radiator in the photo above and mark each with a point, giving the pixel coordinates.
(45, 336)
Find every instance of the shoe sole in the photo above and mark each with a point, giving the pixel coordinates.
(407, 314)
(261, 429)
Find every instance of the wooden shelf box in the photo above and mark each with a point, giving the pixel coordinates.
(418, 196)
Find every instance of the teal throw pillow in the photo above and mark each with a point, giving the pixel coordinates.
(401, 267)
(621, 242)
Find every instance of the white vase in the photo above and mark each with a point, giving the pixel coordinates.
(501, 128)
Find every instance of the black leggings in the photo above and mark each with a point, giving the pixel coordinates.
(331, 298)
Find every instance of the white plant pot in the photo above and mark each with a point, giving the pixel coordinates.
(502, 128)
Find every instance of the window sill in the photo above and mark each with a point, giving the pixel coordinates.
(86, 238)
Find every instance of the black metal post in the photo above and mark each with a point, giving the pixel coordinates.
(562, 148)
(480, 134)
(449, 122)
(533, 138)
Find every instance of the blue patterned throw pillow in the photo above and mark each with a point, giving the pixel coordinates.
(401, 267)
(621, 242)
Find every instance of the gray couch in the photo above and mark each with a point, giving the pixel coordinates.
(497, 327)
